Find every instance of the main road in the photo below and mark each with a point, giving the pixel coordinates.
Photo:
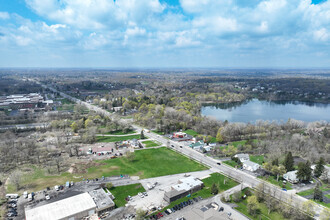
(290, 198)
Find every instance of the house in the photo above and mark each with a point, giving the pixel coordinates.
(185, 187)
(207, 148)
(291, 176)
(198, 145)
(251, 166)
(243, 157)
(179, 135)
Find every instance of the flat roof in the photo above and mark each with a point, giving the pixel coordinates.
(187, 184)
(62, 208)
(101, 199)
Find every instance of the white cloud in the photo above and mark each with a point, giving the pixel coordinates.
(4, 15)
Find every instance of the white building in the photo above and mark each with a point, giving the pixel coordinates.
(243, 157)
(291, 176)
(251, 166)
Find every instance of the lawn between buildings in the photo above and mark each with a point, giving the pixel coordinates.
(117, 138)
(150, 144)
(147, 163)
(121, 192)
(324, 187)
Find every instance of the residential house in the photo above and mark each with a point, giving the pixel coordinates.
(243, 157)
(291, 176)
(250, 166)
(198, 145)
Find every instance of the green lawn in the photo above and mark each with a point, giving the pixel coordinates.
(158, 132)
(191, 132)
(242, 207)
(65, 107)
(272, 180)
(257, 159)
(328, 196)
(120, 132)
(115, 139)
(230, 163)
(150, 144)
(147, 163)
(324, 187)
(121, 192)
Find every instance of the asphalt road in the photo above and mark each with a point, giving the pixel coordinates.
(238, 175)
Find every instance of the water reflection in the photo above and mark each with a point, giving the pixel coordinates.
(253, 110)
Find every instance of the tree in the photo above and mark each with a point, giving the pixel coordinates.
(214, 189)
(252, 205)
(318, 194)
(140, 214)
(219, 137)
(142, 135)
(308, 207)
(74, 127)
(15, 179)
(109, 185)
(130, 156)
(325, 214)
(275, 162)
(237, 197)
(268, 167)
(260, 192)
(304, 172)
(278, 171)
(288, 162)
(319, 167)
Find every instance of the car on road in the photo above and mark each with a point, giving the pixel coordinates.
(180, 146)
(219, 163)
(145, 193)
(172, 145)
(141, 195)
(284, 189)
(221, 209)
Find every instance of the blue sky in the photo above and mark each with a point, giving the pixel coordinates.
(165, 33)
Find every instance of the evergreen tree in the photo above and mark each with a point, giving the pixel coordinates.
(288, 162)
(319, 167)
(142, 135)
(214, 189)
(318, 194)
(304, 172)
(275, 162)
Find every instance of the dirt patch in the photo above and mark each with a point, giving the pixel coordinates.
(83, 167)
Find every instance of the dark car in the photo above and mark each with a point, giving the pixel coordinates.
(196, 200)
(219, 163)
(221, 209)
(172, 145)
(180, 146)
(200, 198)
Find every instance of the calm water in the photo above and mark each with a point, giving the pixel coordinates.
(253, 110)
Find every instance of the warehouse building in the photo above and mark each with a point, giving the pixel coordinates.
(72, 208)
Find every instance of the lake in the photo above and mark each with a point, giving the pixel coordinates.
(280, 111)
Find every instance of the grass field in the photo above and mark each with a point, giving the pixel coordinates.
(150, 144)
(158, 132)
(272, 180)
(121, 192)
(147, 163)
(257, 159)
(194, 134)
(242, 207)
(324, 187)
(230, 163)
(120, 132)
(115, 139)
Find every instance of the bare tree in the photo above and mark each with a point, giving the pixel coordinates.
(15, 178)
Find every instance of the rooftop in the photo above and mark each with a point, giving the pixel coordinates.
(187, 184)
(101, 198)
(62, 208)
(250, 163)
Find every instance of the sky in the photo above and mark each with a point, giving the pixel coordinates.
(165, 33)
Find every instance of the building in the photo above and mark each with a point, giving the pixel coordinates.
(291, 176)
(251, 166)
(24, 101)
(198, 145)
(179, 135)
(243, 157)
(73, 207)
(102, 150)
(102, 200)
(184, 187)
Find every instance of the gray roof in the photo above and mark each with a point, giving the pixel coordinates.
(250, 163)
(101, 199)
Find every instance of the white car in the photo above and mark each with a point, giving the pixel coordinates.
(47, 197)
(141, 195)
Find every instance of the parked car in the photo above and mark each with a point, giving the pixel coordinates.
(219, 163)
(141, 195)
(47, 197)
(56, 188)
(145, 193)
(221, 209)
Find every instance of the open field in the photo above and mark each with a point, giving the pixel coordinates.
(195, 134)
(158, 132)
(150, 144)
(259, 159)
(324, 187)
(120, 132)
(115, 139)
(121, 192)
(242, 207)
(230, 163)
(147, 163)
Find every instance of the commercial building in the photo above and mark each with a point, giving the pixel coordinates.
(184, 187)
(73, 207)
(24, 101)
